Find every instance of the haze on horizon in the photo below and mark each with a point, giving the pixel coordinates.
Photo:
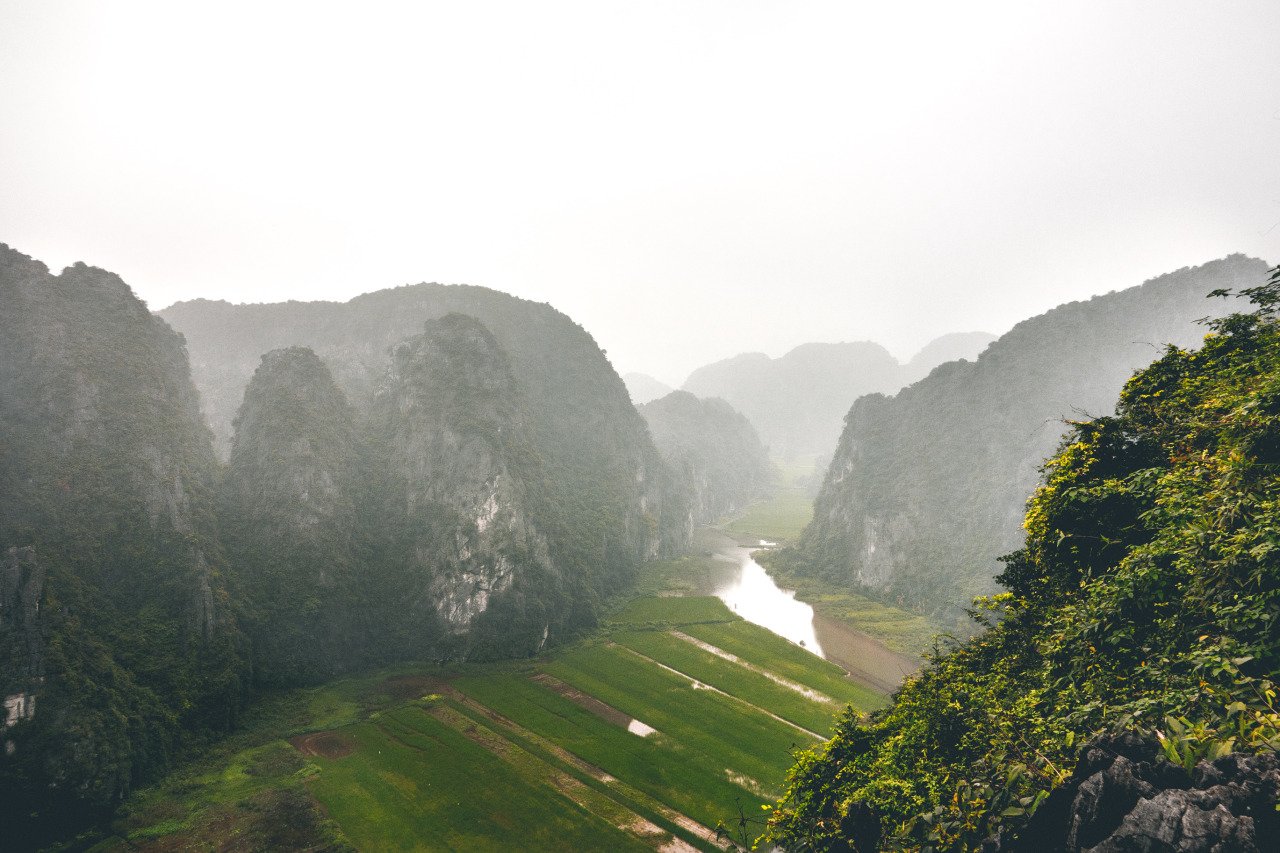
(687, 181)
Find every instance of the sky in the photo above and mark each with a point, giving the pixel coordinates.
(687, 180)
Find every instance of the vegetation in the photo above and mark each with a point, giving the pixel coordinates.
(115, 611)
(516, 753)
(714, 453)
(928, 487)
(781, 516)
(1145, 597)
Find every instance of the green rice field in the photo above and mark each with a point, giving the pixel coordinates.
(676, 720)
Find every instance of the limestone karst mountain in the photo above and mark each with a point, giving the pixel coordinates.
(713, 451)
(797, 402)
(117, 632)
(643, 388)
(928, 487)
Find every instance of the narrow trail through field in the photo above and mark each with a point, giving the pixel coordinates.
(807, 692)
(533, 769)
(686, 823)
(702, 685)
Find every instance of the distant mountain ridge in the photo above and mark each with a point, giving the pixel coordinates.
(928, 487)
(797, 402)
(643, 388)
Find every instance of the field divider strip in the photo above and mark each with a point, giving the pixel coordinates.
(535, 769)
(806, 692)
(702, 685)
(616, 787)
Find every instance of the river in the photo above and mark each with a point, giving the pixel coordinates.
(748, 590)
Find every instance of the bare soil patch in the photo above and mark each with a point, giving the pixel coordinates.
(584, 700)
(413, 686)
(324, 744)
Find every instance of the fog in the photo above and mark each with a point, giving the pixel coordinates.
(687, 181)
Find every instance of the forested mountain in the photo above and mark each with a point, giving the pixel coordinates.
(928, 487)
(713, 451)
(463, 502)
(796, 402)
(644, 388)
(116, 630)
(1123, 696)
(427, 486)
(290, 511)
(604, 479)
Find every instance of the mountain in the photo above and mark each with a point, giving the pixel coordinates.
(117, 632)
(797, 401)
(713, 451)
(644, 388)
(604, 481)
(464, 500)
(1122, 695)
(927, 488)
(289, 508)
(952, 347)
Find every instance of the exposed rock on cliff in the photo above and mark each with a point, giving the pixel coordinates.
(604, 480)
(464, 487)
(1124, 796)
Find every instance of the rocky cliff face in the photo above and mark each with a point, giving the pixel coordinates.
(604, 480)
(928, 488)
(1124, 796)
(463, 481)
(288, 513)
(112, 558)
(713, 451)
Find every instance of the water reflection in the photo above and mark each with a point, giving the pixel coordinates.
(752, 594)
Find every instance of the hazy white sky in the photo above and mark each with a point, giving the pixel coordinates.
(688, 180)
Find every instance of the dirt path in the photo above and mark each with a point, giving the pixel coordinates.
(865, 658)
(700, 685)
(534, 769)
(807, 692)
(561, 754)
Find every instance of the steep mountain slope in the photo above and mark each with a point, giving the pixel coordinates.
(927, 488)
(289, 514)
(464, 499)
(1137, 642)
(953, 347)
(644, 388)
(116, 634)
(604, 480)
(797, 402)
(713, 451)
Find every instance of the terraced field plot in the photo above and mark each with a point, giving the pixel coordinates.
(647, 738)
(677, 718)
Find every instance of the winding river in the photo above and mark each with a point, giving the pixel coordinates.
(746, 588)
(752, 594)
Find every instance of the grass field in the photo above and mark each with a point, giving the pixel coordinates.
(783, 516)
(533, 755)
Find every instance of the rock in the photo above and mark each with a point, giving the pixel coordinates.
(1124, 797)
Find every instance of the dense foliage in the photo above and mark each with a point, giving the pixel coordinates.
(604, 481)
(1146, 597)
(114, 610)
(928, 487)
(713, 451)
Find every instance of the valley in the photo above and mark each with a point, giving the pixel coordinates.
(677, 717)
